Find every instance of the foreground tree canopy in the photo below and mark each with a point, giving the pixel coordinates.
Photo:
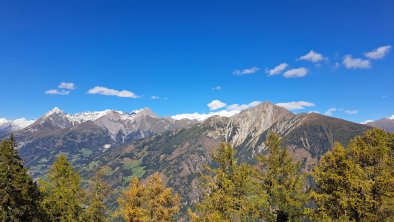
(149, 201)
(271, 191)
(353, 183)
(63, 194)
(228, 190)
(281, 180)
(357, 183)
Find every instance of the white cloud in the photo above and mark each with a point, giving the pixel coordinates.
(241, 107)
(351, 112)
(216, 88)
(391, 117)
(216, 104)
(15, 124)
(155, 97)
(330, 111)
(66, 85)
(314, 112)
(57, 92)
(313, 56)
(378, 53)
(356, 63)
(367, 121)
(295, 105)
(111, 92)
(298, 72)
(246, 71)
(204, 116)
(278, 69)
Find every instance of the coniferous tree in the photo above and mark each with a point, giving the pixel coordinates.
(98, 192)
(19, 195)
(163, 204)
(356, 184)
(149, 201)
(131, 203)
(228, 191)
(282, 182)
(63, 195)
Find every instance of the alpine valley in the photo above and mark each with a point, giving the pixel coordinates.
(141, 143)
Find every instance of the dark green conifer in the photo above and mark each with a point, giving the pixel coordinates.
(19, 195)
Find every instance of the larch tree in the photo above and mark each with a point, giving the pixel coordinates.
(19, 195)
(281, 182)
(148, 201)
(356, 184)
(228, 190)
(97, 194)
(131, 203)
(63, 195)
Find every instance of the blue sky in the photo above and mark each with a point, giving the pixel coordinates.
(189, 53)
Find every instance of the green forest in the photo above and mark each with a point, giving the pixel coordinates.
(349, 183)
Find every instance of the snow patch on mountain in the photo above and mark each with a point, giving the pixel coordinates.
(88, 116)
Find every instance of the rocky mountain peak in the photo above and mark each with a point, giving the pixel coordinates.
(267, 107)
(144, 112)
(54, 111)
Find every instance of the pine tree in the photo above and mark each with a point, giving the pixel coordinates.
(96, 211)
(149, 201)
(356, 184)
(282, 182)
(63, 195)
(227, 190)
(19, 195)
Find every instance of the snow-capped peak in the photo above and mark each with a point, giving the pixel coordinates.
(391, 117)
(55, 110)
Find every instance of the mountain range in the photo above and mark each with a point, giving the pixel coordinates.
(386, 124)
(140, 143)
